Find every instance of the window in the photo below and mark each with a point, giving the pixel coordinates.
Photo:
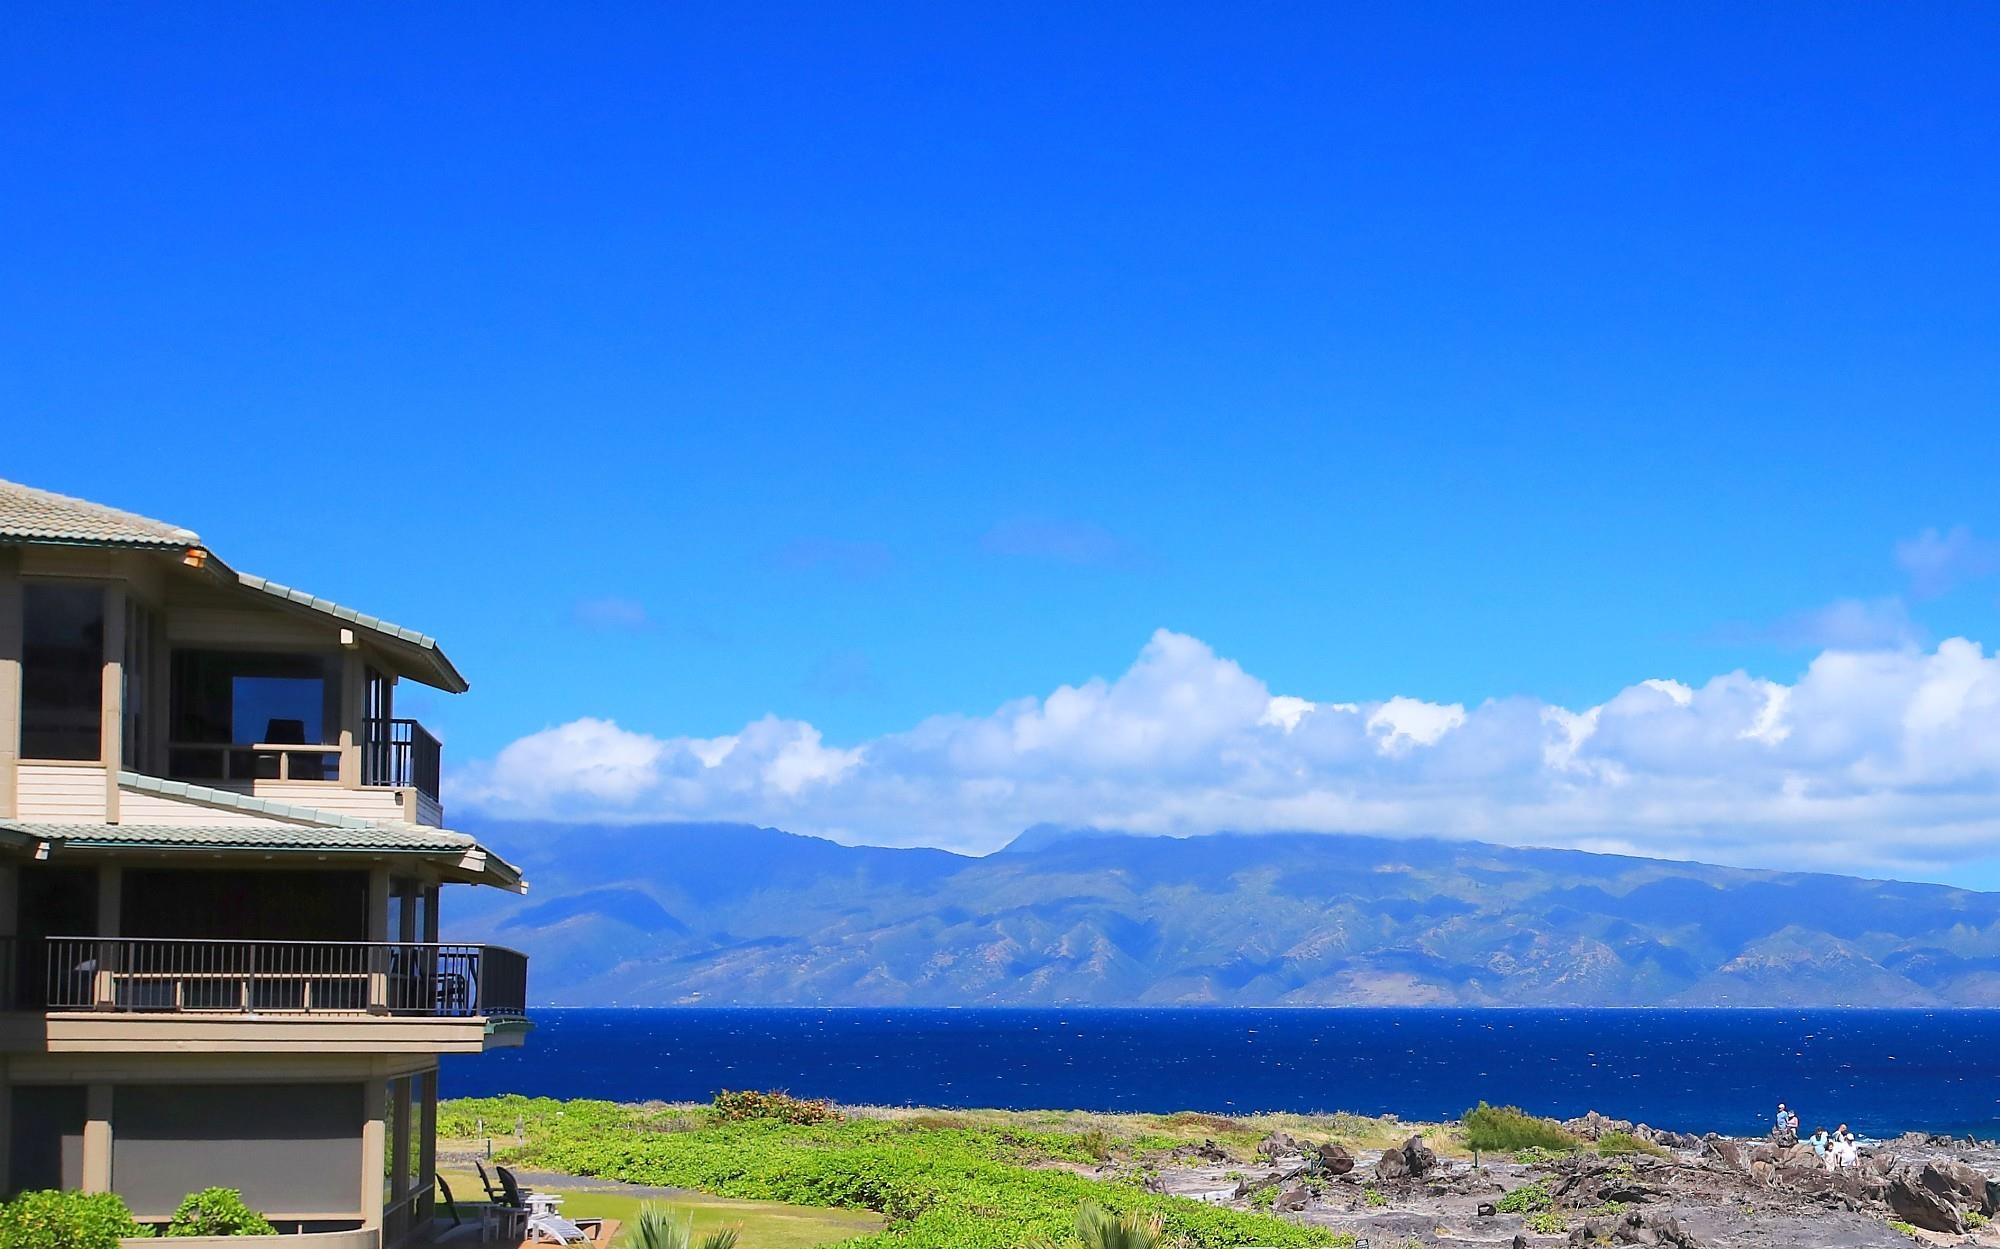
(290, 1149)
(62, 671)
(225, 701)
(138, 696)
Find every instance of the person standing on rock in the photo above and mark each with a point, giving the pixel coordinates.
(1846, 1154)
(1819, 1141)
(1786, 1130)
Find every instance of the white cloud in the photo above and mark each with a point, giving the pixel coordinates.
(1935, 562)
(1871, 759)
(1852, 624)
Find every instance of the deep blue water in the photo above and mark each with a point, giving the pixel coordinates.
(1884, 1072)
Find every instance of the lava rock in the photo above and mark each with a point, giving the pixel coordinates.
(1918, 1206)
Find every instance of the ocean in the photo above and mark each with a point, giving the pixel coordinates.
(1883, 1072)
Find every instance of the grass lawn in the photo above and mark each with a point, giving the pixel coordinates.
(765, 1224)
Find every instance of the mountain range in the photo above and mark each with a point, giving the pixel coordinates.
(674, 914)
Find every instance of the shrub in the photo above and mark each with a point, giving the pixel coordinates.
(1546, 1222)
(1613, 1143)
(783, 1107)
(656, 1228)
(58, 1220)
(217, 1212)
(1502, 1128)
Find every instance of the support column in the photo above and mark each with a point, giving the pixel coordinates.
(110, 899)
(353, 710)
(111, 729)
(378, 930)
(374, 1104)
(6, 1127)
(10, 680)
(427, 1094)
(97, 1139)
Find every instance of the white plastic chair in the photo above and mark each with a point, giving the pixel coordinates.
(559, 1230)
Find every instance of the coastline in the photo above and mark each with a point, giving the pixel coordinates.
(1346, 1179)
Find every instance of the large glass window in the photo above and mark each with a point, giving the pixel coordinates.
(423, 1112)
(139, 728)
(62, 671)
(227, 701)
(395, 1139)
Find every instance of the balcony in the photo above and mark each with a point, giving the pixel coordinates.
(393, 754)
(402, 753)
(309, 979)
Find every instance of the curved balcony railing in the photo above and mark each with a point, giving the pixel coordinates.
(394, 978)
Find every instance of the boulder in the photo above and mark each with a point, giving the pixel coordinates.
(1335, 1160)
(1488, 1210)
(1632, 1228)
(1593, 1125)
(1958, 1183)
(1292, 1199)
(1277, 1144)
(1725, 1153)
(1520, 1241)
(1392, 1166)
(1918, 1206)
(1419, 1157)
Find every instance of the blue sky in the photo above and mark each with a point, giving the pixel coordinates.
(680, 367)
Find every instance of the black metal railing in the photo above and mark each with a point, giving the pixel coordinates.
(401, 752)
(168, 976)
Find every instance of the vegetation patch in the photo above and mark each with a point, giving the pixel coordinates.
(734, 1105)
(66, 1220)
(218, 1212)
(1501, 1129)
(1611, 1144)
(938, 1187)
(1526, 1200)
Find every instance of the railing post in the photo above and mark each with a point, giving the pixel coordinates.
(378, 979)
(103, 995)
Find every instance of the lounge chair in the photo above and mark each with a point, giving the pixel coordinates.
(510, 1188)
(558, 1230)
(444, 1191)
(507, 1216)
(494, 1195)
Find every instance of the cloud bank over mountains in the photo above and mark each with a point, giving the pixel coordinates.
(1872, 760)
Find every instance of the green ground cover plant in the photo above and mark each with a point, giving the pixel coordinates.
(938, 1186)
(1526, 1199)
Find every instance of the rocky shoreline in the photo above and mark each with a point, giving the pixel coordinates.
(1677, 1191)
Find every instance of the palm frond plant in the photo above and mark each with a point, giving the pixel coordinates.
(657, 1227)
(1101, 1229)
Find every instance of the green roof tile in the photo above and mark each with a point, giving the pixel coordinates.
(31, 515)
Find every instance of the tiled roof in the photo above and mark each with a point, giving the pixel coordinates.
(31, 515)
(328, 607)
(28, 514)
(284, 826)
(227, 799)
(262, 835)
